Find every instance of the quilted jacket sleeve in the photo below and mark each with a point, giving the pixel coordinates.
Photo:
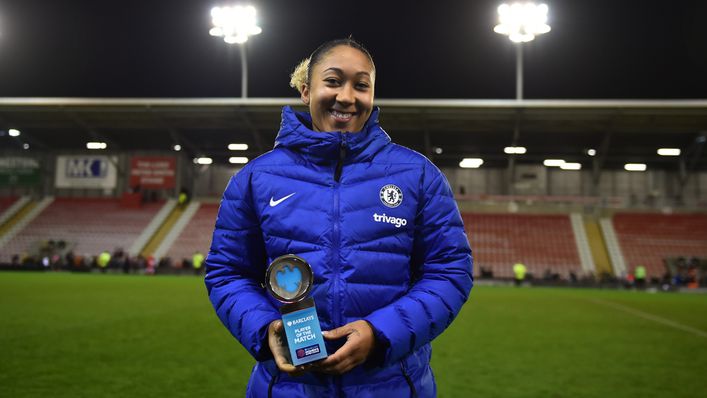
(235, 268)
(442, 265)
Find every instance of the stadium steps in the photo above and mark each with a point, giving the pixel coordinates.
(22, 218)
(613, 248)
(149, 231)
(13, 209)
(162, 232)
(583, 248)
(196, 236)
(177, 229)
(598, 247)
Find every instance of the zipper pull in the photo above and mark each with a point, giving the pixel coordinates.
(342, 156)
(342, 149)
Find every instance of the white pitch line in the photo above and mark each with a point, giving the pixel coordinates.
(651, 317)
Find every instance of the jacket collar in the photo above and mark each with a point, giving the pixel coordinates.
(297, 135)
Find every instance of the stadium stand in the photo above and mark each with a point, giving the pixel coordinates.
(6, 202)
(92, 224)
(647, 239)
(541, 242)
(196, 235)
(9, 206)
(175, 224)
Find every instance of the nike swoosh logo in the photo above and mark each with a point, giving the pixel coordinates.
(274, 202)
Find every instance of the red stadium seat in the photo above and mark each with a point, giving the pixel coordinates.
(646, 239)
(541, 242)
(6, 202)
(93, 224)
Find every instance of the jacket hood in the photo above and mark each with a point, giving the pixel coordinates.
(296, 134)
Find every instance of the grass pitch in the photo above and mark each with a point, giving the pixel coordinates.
(68, 335)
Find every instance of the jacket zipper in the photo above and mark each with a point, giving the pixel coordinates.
(413, 391)
(337, 233)
(337, 237)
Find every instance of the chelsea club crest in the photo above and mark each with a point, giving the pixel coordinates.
(391, 195)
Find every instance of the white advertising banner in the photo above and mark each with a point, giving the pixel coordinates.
(86, 172)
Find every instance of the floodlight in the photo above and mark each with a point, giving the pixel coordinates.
(571, 166)
(203, 160)
(238, 160)
(437, 150)
(515, 150)
(591, 152)
(553, 162)
(96, 145)
(235, 24)
(669, 151)
(237, 147)
(235, 39)
(25, 146)
(177, 147)
(14, 132)
(635, 167)
(471, 163)
(521, 22)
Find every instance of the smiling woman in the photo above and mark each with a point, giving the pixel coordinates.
(337, 88)
(376, 221)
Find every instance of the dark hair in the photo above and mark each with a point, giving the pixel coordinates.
(323, 49)
(303, 71)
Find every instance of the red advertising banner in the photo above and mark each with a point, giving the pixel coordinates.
(153, 172)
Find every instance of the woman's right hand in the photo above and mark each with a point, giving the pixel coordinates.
(278, 346)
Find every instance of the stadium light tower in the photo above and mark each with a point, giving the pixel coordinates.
(521, 22)
(236, 24)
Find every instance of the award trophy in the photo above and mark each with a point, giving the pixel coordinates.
(289, 279)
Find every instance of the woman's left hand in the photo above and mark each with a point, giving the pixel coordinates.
(360, 342)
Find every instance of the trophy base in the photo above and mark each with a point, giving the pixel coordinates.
(304, 334)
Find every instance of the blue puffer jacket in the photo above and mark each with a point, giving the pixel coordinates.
(382, 232)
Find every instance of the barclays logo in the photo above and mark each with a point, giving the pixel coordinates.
(301, 320)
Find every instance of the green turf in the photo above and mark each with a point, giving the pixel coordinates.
(66, 335)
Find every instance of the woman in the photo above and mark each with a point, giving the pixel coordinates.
(376, 221)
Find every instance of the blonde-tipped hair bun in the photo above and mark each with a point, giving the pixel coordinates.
(298, 78)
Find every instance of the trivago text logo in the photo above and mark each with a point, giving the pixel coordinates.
(398, 222)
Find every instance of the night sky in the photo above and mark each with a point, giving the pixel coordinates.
(597, 49)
